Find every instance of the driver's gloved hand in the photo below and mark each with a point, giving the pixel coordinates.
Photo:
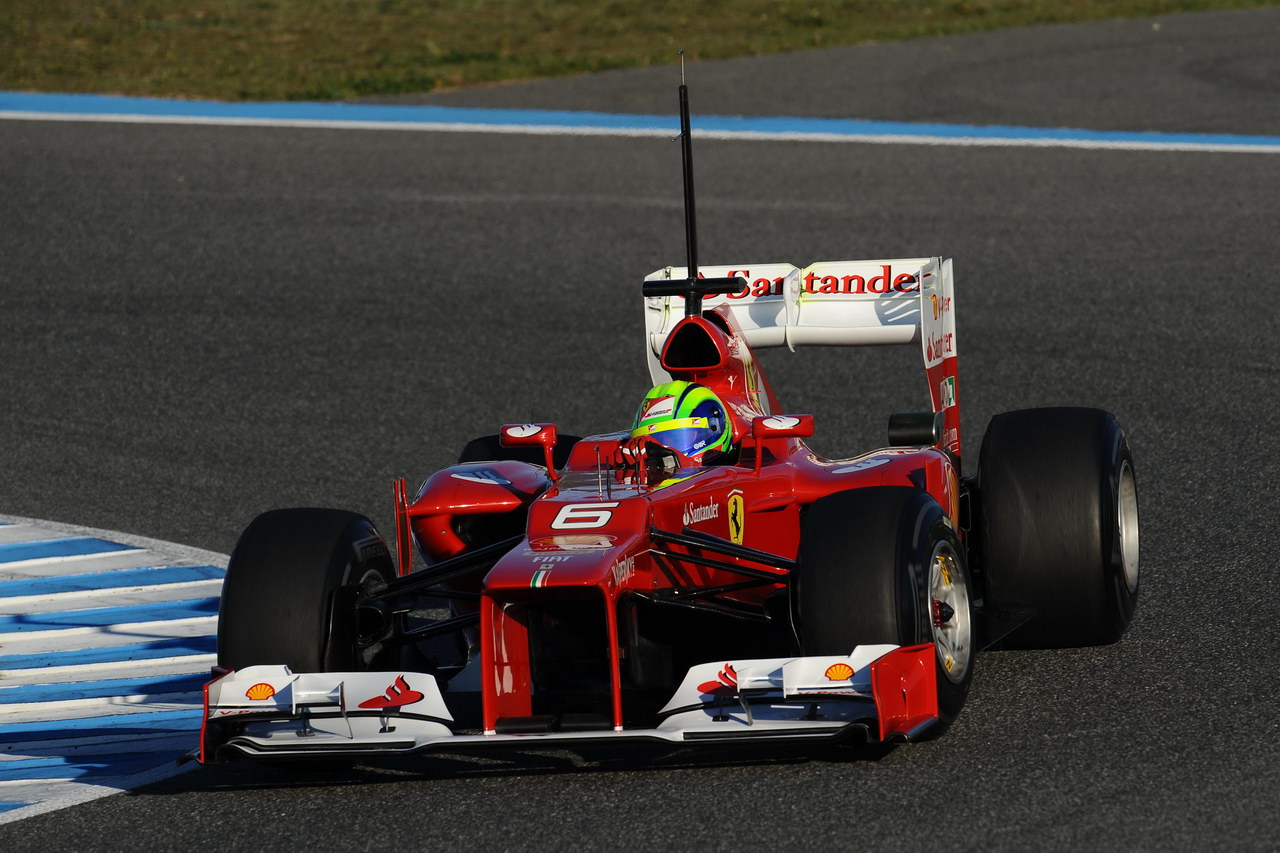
(635, 450)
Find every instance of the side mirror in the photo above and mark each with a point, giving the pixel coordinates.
(527, 435)
(782, 426)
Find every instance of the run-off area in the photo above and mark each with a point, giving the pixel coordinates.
(105, 643)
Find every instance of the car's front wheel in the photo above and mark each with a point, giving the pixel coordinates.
(884, 565)
(290, 590)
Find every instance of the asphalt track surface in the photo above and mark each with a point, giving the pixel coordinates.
(198, 324)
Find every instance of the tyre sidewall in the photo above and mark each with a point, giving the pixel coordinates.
(1122, 601)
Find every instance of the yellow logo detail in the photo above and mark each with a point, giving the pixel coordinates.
(839, 672)
(670, 481)
(737, 518)
(953, 487)
(260, 691)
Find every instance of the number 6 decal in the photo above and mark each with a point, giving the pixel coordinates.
(583, 516)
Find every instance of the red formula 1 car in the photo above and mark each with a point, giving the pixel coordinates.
(768, 594)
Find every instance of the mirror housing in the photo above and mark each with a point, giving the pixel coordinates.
(781, 426)
(532, 435)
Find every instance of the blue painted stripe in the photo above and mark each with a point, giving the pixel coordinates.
(4, 807)
(75, 546)
(113, 725)
(99, 616)
(108, 687)
(321, 111)
(302, 111)
(108, 580)
(58, 768)
(173, 647)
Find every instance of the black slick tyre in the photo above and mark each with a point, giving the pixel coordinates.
(1059, 525)
(872, 562)
(286, 598)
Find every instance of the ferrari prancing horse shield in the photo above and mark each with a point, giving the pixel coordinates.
(736, 518)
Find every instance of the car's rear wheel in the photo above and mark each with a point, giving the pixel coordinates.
(1059, 524)
(884, 565)
(289, 592)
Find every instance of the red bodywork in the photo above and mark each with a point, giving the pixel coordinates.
(588, 533)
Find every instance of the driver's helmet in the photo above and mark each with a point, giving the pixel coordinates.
(686, 417)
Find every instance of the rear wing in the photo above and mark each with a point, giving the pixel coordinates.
(833, 303)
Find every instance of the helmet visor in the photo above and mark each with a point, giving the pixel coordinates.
(690, 436)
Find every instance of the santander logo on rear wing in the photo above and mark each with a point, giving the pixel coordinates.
(831, 303)
(834, 303)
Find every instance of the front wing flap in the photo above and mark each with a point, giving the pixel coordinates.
(882, 692)
(269, 710)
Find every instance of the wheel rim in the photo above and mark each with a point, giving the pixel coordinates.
(367, 654)
(1127, 520)
(949, 613)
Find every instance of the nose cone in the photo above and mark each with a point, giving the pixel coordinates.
(606, 562)
(577, 538)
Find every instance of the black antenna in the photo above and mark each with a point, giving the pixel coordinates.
(692, 288)
(693, 302)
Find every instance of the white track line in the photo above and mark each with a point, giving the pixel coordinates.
(56, 564)
(13, 534)
(103, 636)
(146, 668)
(923, 138)
(88, 599)
(116, 560)
(75, 709)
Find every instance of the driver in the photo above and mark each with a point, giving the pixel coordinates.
(682, 417)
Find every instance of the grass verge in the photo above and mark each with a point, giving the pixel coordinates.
(330, 49)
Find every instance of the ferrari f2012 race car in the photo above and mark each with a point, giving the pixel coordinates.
(561, 598)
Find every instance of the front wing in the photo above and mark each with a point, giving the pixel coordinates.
(881, 692)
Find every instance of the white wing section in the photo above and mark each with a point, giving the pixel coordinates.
(830, 303)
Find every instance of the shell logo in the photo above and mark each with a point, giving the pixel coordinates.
(260, 691)
(838, 672)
